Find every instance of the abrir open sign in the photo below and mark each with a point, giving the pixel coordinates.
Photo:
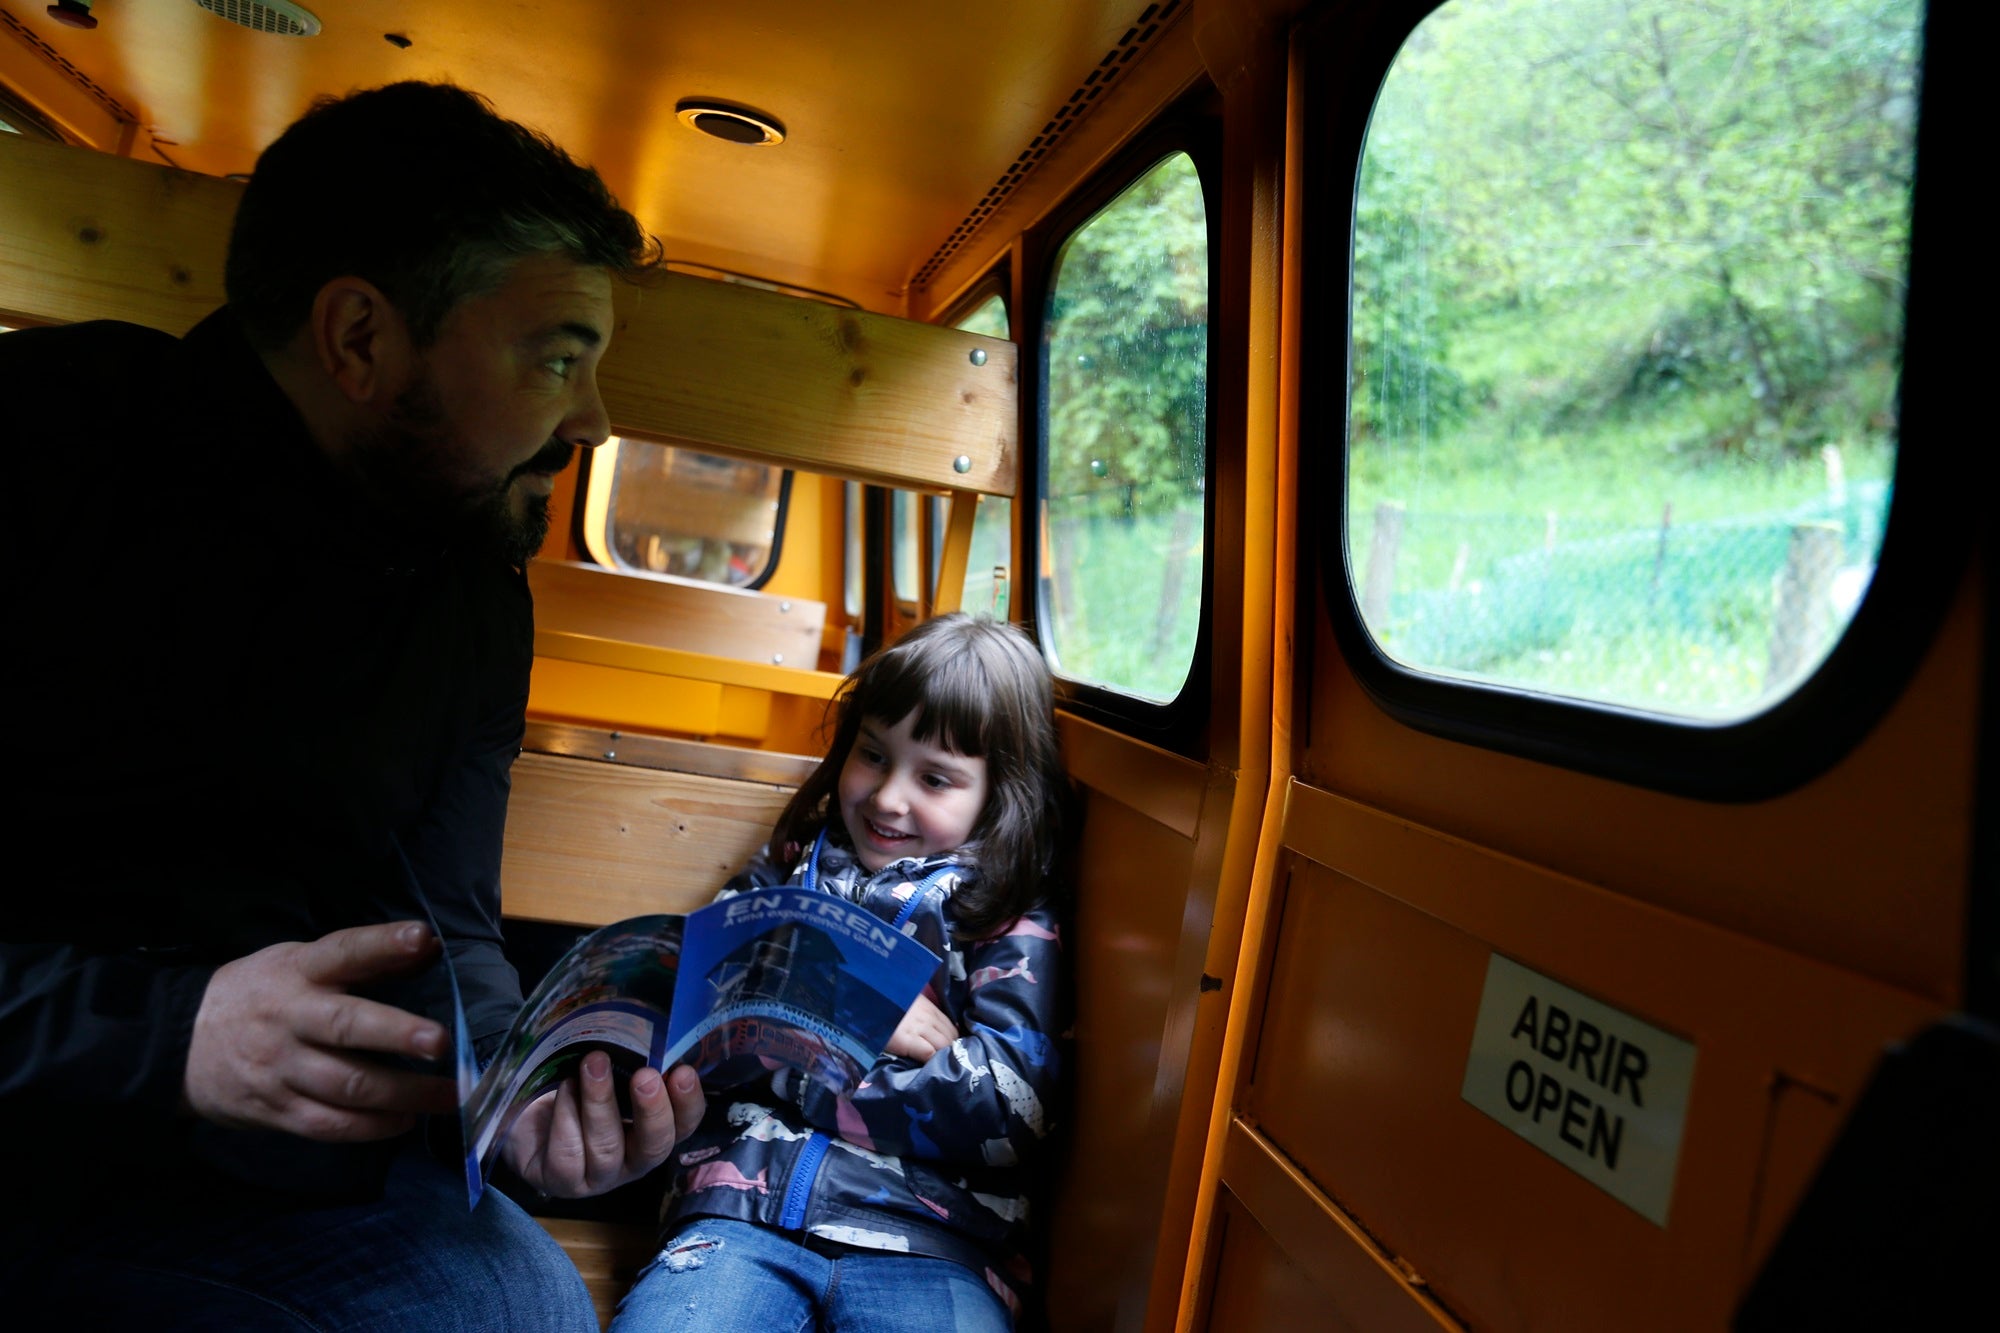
(1598, 1090)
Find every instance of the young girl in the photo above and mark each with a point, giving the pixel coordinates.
(939, 807)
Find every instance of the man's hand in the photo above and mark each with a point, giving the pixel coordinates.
(924, 1031)
(571, 1142)
(277, 1039)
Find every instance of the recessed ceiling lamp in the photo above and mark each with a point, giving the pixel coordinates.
(729, 122)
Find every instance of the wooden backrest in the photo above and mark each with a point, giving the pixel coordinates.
(674, 613)
(602, 826)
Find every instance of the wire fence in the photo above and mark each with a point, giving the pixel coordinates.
(1711, 615)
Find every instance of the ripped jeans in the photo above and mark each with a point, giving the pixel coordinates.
(723, 1276)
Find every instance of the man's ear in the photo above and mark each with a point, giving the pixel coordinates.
(361, 341)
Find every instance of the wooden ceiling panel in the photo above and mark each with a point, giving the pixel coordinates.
(899, 114)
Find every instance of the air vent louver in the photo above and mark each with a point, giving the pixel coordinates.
(273, 16)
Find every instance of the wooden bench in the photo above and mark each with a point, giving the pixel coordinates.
(602, 826)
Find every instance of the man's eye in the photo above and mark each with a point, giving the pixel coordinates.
(561, 366)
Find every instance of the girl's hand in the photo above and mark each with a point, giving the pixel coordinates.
(924, 1031)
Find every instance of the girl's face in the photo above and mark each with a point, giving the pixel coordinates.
(900, 796)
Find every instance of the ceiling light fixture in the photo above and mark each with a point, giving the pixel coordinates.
(729, 122)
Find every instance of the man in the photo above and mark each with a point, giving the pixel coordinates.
(273, 642)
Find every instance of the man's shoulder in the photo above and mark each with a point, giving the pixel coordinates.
(75, 371)
(94, 339)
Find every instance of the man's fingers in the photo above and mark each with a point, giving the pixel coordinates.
(364, 953)
(603, 1128)
(355, 1085)
(652, 1133)
(348, 1022)
(690, 1103)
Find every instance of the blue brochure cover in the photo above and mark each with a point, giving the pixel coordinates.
(767, 978)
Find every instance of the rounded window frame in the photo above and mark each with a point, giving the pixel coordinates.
(1927, 537)
(1193, 127)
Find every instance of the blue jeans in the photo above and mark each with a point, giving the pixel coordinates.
(414, 1261)
(724, 1276)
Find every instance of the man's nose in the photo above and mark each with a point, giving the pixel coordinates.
(588, 424)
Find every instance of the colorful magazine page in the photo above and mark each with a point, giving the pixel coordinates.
(785, 976)
(767, 978)
(613, 991)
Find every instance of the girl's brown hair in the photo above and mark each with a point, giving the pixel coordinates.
(979, 687)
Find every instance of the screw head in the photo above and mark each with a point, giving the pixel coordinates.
(978, 356)
(961, 464)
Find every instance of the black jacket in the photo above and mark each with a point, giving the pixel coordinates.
(236, 690)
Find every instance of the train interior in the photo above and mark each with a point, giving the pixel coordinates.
(1421, 983)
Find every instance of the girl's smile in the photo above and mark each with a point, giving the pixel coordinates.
(902, 797)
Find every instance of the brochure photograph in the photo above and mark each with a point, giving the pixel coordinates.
(764, 979)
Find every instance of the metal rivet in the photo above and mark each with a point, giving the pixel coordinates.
(611, 754)
(615, 736)
(784, 607)
(979, 356)
(961, 464)
(777, 659)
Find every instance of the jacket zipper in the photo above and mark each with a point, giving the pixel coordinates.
(793, 1217)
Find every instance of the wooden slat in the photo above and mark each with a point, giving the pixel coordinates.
(957, 550)
(596, 650)
(91, 236)
(703, 618)
(719, 367)
(589, 843)
(753, 374)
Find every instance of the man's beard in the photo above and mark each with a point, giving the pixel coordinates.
(405, 462)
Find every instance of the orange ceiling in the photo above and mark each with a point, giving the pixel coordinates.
(899, 114)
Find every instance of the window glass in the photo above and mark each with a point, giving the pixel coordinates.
(694, 515)
(850, 495)
(1627, 315)
(903, 554)
(990, 562)
(1127, 346)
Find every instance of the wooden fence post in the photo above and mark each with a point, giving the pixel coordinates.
(1802, 610)
(1380, 579)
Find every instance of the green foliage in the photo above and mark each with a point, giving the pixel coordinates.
(1726, 184)
(1128, 348)
(1127, 334)
(1627, 299)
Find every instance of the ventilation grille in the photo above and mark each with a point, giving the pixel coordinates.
(272, 16)
(70, 72)
(1136, 39)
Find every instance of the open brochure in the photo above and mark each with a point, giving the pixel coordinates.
(769, 977)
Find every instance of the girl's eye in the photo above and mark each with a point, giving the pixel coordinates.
(936, 781)
(869, 756)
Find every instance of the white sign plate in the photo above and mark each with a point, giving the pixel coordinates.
(1598, 1090)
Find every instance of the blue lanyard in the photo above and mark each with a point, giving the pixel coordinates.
(909, 906)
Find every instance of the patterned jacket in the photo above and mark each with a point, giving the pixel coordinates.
(926, 1158)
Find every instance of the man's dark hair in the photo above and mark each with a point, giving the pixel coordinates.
(426, 192)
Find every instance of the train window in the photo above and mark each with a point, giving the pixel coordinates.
(988, 564)
(851, 561)
(1628, 293)
(1125, 333)
(905, 566)
(656, 509)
